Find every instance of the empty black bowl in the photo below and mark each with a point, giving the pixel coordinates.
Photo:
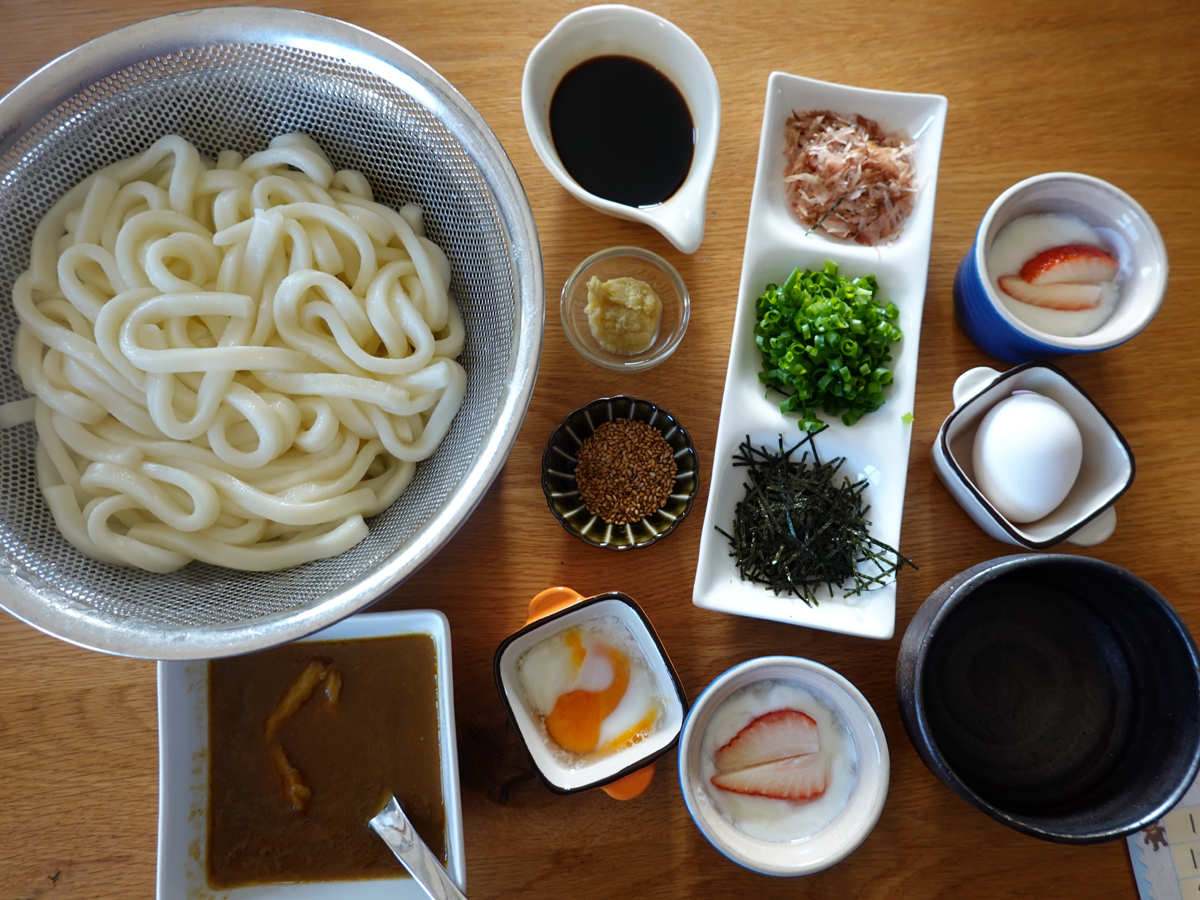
(1059, 694)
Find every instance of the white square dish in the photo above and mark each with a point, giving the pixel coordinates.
(1086, 516)
(557, 774)
(183, 724)
(877, 446)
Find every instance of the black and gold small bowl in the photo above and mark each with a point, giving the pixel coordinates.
(562, 495)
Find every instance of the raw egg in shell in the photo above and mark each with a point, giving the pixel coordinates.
(1027, 454)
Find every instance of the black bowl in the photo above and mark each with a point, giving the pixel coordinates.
(1058, 694)
(558, 474)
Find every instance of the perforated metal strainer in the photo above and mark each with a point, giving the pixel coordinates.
(235, 78)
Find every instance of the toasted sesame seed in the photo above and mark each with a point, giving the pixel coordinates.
(625, 471)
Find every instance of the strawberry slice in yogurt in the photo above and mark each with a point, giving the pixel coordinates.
(1070, 264)
(779, 734)
(794, 778)
(1055, 273)
(1068, 295)
(777, 762)
(777, 755)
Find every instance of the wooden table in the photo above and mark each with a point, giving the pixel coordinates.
(1106, 87)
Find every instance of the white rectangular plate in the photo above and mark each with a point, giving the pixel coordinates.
(183, 775)
(876, 447)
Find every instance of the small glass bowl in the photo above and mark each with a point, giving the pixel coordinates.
(633, 262)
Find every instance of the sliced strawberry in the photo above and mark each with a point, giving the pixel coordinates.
(774, 735)
(797, 778)
(1052, 296)
(1073, 263)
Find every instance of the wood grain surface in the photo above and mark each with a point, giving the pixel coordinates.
(1106, 87)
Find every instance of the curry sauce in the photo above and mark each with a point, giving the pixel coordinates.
(307, 741)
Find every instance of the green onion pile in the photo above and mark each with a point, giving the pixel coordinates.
(798, 529)
(824, 341)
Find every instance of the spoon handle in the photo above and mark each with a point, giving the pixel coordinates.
(398, 833)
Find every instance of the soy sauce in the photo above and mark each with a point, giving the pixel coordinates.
(622, 130)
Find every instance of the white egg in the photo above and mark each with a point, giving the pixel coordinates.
(546, 671)
(1027, 455)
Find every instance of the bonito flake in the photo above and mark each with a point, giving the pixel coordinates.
(850, 180)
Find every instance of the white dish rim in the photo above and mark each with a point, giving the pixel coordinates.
(850, 828)
(564, 779)
(877, 447)
(183, 774)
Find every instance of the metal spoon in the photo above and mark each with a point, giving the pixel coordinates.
(398, 833)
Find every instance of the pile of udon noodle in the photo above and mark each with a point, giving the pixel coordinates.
(233, 361)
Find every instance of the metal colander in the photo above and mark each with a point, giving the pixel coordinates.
(235, 78)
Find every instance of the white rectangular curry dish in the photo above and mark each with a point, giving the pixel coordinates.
(183, 791)
(877, 446)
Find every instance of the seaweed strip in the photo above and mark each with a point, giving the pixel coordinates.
(797, 528)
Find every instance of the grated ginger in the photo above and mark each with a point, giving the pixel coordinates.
(623, 314)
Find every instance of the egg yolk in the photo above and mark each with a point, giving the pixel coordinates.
(634, 735)
(575, 721)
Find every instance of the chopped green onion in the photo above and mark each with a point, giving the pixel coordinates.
(824, 341)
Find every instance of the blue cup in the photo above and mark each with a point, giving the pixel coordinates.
(1142, 279)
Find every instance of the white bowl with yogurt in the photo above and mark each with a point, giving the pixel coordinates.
(786, 837)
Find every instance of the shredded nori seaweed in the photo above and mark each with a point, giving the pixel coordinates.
(797, 528)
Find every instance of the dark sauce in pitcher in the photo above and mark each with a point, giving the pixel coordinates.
(622, 130)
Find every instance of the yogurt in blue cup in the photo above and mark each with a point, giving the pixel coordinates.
(1125, 228)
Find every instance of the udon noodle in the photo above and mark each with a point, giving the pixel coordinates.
(234, 361)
